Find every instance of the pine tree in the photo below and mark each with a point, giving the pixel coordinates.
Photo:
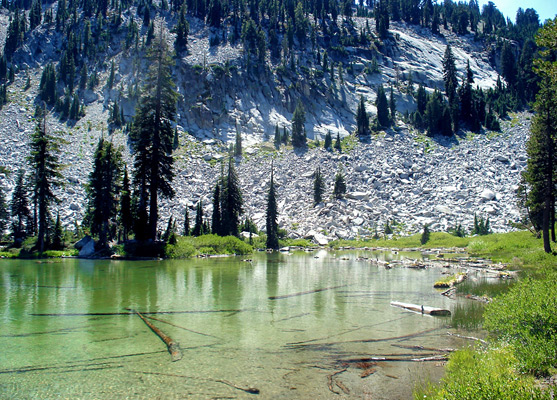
(126, 216)
(318, 186)
(362, 119)
(14, 34)
(186, 222)
(425, 235)
(449, 75)
(216, 227)
(152, 134)
(238, 144)
(284, 137)
(46, 175)
(382, 18)
(19, 207)
(232, 202)
(35, 14)
(339, 189)
(299, 139)
(508, 64)
(466, 96)
(328, 141)
(182, 31)
(540, 170)
(198, 228)
(421, 99)
(47, 87)
(277, 139)
(338, 143)
(382, 107)
(57, 234)
(3, 212)
(103, 189)
(272, 216)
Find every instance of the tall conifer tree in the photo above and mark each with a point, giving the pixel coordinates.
(272, 216)
(19, 207)
(153, 137)
(46, 175)
(103, 190)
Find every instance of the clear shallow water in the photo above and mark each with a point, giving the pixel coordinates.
(230, 330)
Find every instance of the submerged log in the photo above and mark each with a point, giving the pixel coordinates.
(249, 390)
(131, 312)
(421, 308)
(173, 347)
(285, 296)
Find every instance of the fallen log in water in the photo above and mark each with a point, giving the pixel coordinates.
(330, 381)
(422, 348)
(130, 312)
(387, 339)
(173, 347)
(467, 337)
(421, 308)
(285, 296)
(247, 390)
(181, 327)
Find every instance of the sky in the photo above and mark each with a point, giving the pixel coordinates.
(547, 9)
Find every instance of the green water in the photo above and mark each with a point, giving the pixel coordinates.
(229, 328)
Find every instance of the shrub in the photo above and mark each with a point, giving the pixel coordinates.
(526, 317)
(478, 375)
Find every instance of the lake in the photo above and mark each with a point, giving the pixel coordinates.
(291, 325)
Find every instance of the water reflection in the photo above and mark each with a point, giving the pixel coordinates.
(281, 322)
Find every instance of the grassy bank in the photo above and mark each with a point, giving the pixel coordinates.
(520, 249)
(521, 321)
(189, 246)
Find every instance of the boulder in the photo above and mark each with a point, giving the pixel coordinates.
(487, 195)
(88, 249)
(81, 243)
(357, 196)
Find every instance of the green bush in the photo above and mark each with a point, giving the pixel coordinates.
(526, 317)
(190, 246)
(182, 249)
(482, 375)
(222, 245)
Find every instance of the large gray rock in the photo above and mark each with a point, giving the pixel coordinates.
(357, 196)
(487, 195)
(86, 247)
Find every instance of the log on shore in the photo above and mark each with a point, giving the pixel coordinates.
(173, 347)
(421, 308)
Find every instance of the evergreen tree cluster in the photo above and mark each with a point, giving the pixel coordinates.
(443, 114)
(227, 204)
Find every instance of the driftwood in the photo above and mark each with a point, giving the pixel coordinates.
(467, 337)
(173, 347)
(130, 312)
(285, 296)
(181, 327)
(90, 362)
(449, 291)
(422, 348)
(399, 357)
(343, 332)
(403, 337)
(247, 390)
(421, 309)
(330, 381)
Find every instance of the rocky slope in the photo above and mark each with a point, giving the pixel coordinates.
(399, 175)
